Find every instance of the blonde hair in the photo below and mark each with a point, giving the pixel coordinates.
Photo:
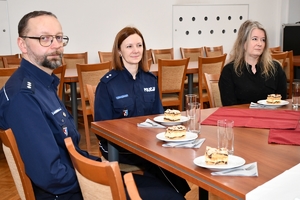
(237, 54)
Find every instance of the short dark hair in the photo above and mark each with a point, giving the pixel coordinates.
(22, 26)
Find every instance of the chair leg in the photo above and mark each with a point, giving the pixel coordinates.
(87, 132)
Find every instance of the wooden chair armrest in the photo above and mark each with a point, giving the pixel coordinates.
(131, 187)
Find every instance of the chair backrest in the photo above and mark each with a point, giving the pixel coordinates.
(11, 62)
(5, 73)
(149, 55)
(97, 180)
(280, 57)
(192, 53)
(162, 54)
(72, 59)
(16, 165)
(91, 89)
(274, 49)
(91, 74)
(289, 70)
(60, 73)
(105, 56)
(171, 77)
(7, 56)
(213, 51)
(212, 85)
(210, 65)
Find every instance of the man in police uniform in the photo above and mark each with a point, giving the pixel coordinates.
(29, 105)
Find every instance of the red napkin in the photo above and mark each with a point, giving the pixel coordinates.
(291, 137)
(256, 118)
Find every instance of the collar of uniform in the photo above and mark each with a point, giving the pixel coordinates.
(128, 75)
(39, 74)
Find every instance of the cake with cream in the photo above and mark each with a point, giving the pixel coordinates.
(172, 115)
(214, 156)
(175, 132)
(273, 98)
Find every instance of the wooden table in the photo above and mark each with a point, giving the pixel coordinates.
(71, 77)
(250, 144)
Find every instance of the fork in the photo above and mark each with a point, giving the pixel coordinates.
(242, 169)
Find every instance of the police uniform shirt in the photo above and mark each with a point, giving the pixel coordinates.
(29, 105)
(118, 95)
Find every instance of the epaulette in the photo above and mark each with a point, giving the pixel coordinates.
(27, 85)
(109, 76)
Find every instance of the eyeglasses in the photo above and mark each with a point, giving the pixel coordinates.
(47, 40)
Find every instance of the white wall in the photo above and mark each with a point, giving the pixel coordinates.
(92, 24)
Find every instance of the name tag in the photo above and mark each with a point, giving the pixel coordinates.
(149, 89)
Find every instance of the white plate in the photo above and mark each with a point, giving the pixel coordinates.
(233, 161)
(160, 119)
(189, 136)
(282, 103)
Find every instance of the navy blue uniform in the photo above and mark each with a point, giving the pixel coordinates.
(117, 96)
(29, 105)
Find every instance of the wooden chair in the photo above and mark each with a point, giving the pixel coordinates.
(16, 165)
(91, 90)
(5, 73)
(105, 56)
(100, 180)
(60, 73)
(11, 62)
(71, 59)
(289, 71)
(171, 77)
(210, 65)
(162, 54)
(193, 54)
(280, 57)
(212, 85)
(89, 74)
(213, 51)
(274, 49)
(149, 56)
(7, 56)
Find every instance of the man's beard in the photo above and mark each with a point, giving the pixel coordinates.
(53, 63)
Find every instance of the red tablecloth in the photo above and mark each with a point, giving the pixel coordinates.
(256, 118)
(291, 137)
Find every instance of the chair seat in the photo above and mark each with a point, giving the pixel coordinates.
(170, 97)
(125, 167)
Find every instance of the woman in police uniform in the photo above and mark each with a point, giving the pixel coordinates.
(130, 90)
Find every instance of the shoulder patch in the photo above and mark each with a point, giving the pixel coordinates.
(109, 76)
(28, 85)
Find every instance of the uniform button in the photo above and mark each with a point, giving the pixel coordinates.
(62, 120)
(64, 114)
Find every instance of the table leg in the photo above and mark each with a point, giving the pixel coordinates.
(74, 102)
(190, 83)
(113, 153)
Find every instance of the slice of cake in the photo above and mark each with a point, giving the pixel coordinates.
(172, 115)
(214, 156)
(273, 98)
(175, 132)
